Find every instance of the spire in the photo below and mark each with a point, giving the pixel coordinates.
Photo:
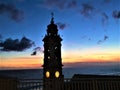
(52, 19)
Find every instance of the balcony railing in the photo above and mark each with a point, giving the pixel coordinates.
(30, 84)
(67, 84)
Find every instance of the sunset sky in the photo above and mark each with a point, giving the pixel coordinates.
(90, 30)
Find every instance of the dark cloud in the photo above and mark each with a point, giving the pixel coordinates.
(72, 4)
(61, 25)
(116, 14)
(103, 40)
(16, 44)
(34, 53)
(37, 49)
(11, 11)
(87, 9)
(54, 3)
(60, 4)
(104, 17)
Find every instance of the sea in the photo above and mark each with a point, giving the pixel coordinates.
(68, 72)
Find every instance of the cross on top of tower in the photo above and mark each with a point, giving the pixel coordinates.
(52, 19)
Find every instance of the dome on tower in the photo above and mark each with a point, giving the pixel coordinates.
(52, 28)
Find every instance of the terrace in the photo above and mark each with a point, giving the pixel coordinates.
(77, 82)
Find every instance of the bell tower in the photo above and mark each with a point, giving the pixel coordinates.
(52, 66)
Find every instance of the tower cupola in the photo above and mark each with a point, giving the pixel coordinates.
(52, 28)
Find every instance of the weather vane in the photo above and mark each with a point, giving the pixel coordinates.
(52, 20)
(52, 14)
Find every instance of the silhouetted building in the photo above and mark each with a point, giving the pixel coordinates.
(94, 82)
(8, 83)
(52, 67)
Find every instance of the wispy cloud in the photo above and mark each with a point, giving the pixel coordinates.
(103, 40)
(72, 4)
(37, 49)
(60, 4)
(116, 14)
(104, 18)
(87, 9)
(11, 11)
(86, 37)
(61, 25)
(105, 37)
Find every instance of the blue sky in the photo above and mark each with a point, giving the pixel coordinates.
(86, 26)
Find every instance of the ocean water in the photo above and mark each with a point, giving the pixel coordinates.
(96, 69)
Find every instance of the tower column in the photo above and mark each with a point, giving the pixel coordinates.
(53, 77)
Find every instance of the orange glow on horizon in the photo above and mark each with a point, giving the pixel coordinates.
(32, 62)
(22, 62)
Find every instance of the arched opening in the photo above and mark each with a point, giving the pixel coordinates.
(47, 74)
(48, 57)
(55, 47)
(57, 74)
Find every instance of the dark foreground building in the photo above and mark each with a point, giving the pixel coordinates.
(95, 82)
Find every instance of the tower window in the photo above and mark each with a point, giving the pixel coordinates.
(56, 47)
(57, 74)
(47, 74)
(48, 57)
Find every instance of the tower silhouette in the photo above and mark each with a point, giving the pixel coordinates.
(52, 66)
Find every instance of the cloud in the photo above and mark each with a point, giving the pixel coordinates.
(61, 25)
(104, 17)
(11, 11)
(103, 40)
(34, 53)
(60, 4)
(37, 49)
(86, 37)
(16, 44)
(72, 4)
(54, 3)
(87, 9)
(116, 14)
(99, 41)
